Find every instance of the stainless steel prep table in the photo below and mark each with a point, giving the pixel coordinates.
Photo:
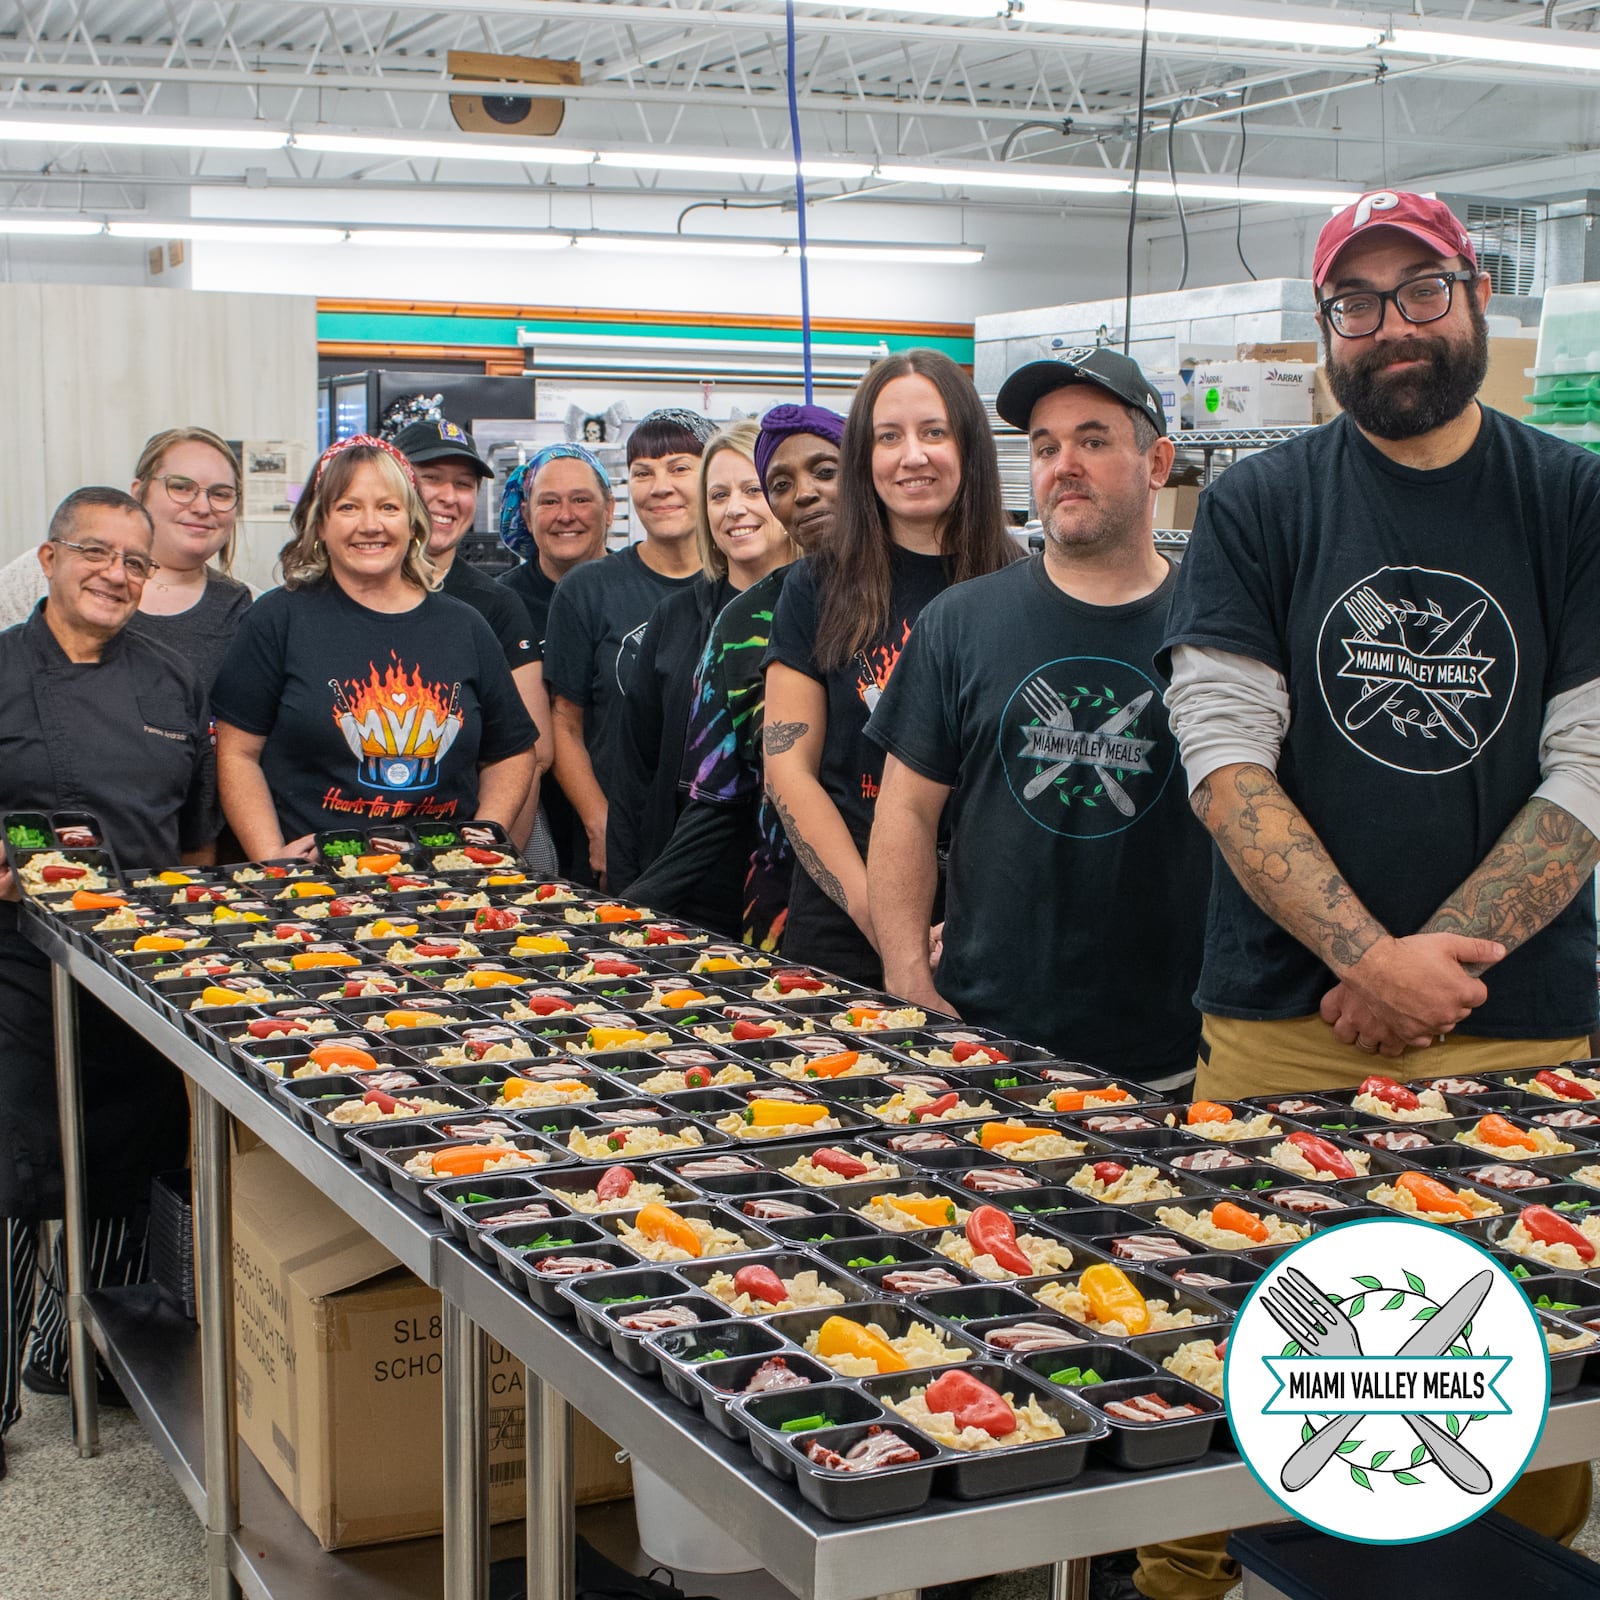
(271, 1555)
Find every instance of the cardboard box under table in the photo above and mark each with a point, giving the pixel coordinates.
(338, 1373)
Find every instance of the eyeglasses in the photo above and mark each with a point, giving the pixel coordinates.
(138, 567)
(222, 496)
(1354, 315)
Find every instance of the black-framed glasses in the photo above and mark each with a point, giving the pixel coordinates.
(185, 491)
(1424, 299)
(138, 567)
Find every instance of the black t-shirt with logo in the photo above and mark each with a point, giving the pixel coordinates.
(1076, 890)
(528, 583)
(1422, 620)
(370, 716)
(852, 764)
(500, 607)
(592, 640)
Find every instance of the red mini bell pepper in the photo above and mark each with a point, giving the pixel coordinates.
(839, 1162)
(614, 1183)
(697, 1078)
(493, 919)
(965, 1050)
(936, 1108)
(1390, 1093)
(1109, 1171)
(972, 1403)
(1323, 1154)
(992, 1233)
(761, 1283)
(1548, 1228)
(546, 1005)
(483, 858)
(1565, 1088)
(612, 967)
(753, 1030)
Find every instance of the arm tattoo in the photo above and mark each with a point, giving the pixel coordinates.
(778, 737)
(806, 855)
(1536, 868)
(1283, 866)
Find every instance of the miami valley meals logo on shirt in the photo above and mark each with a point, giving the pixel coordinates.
(1417, 668)
(1083, 747)
(397, 725)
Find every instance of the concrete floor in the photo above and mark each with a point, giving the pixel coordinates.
(116, 1526)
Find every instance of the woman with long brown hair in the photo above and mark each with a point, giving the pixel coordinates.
(919, 508)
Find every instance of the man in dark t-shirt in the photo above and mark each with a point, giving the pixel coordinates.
(1386, 688)
(1075, 898)
(449, 471)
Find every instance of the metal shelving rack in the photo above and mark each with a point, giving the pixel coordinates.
(181, 1388)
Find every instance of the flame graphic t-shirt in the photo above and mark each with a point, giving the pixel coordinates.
(369, 715)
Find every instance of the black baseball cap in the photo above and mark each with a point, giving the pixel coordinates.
(1117, 374)
(422, 442)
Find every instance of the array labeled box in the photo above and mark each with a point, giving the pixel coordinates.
(1253, 394)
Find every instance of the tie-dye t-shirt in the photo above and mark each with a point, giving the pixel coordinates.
(722, 751)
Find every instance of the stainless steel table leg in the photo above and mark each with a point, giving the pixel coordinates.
(213, 1198)
(1069, 1580)
(69, 1093)
(552, 1529)
(466, 1457)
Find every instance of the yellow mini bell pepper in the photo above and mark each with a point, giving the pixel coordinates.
(1113, 1298)
(409, 1019)
(839, 1336)
(543, 944)
(613, 1038)
(494, 979)
(780, 1113)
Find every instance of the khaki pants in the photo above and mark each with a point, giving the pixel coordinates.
(1299, 1055)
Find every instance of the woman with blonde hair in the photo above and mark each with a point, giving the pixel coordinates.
(357, 693)
(740, 542)
(188, 479)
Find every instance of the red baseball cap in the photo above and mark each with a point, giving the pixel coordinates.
(1430, 221)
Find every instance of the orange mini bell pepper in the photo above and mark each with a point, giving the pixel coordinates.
(617, 914)
(716, 964)
(930, 1210)
(677, 999)
(665, 1226)
(410, 1019)
(1432, 1196)
(307, 959)
(158, 941)
(377, 864)
(493, 979)
(213, 995)
(466, 1160)
(1076, 1099)
(309, 891)
(515, 1088)
(992, 1134)
(780, 1113)
(839, 1336)
(832, 1066)
(1112, 1297)
(1235, 1219)
(1504, 1135)
(1207, 1111)
(342, 1058)
(88, 900)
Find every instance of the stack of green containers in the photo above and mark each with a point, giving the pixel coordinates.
(1566, 373)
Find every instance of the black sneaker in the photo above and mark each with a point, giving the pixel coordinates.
(1111, 1576)
(38, 1381)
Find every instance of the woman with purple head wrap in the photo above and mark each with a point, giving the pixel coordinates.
(797, 458)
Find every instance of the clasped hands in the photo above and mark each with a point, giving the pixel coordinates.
(1406, 994)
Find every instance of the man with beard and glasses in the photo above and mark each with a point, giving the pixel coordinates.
(1032, 696)
(1386, 686)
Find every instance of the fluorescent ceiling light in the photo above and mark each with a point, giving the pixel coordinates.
(741, 165)
(1520, 48)
(136, 131)
(1257, 27)
(998, 176)
(674, 244)
(527, 152)
(457, 239)
(225, 232)
(932, 256)
(1246, 194)
(66, 227)
(984, 9)
(531, 337)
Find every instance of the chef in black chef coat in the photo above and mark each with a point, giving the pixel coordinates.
(99, 719)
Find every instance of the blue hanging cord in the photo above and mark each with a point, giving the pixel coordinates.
(800, 204)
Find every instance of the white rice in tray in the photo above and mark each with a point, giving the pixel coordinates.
(1068, 1299)
(806, 1171)
(1047, 1255)
(1034, 1424)
(1207, 1232)
(713, 1241)
(641, 1139)
(919, 1344)
(1560, 1256)
(1397, 1199)
(1198, 1362)
(1136, 1185)
(805, 1290)
(1430, 1108)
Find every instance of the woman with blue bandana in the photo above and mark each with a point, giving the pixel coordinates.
(599, 612)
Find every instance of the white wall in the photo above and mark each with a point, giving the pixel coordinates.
(92, 372)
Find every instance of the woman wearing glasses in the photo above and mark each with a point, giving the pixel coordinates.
(357, 693)
(188, 480)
